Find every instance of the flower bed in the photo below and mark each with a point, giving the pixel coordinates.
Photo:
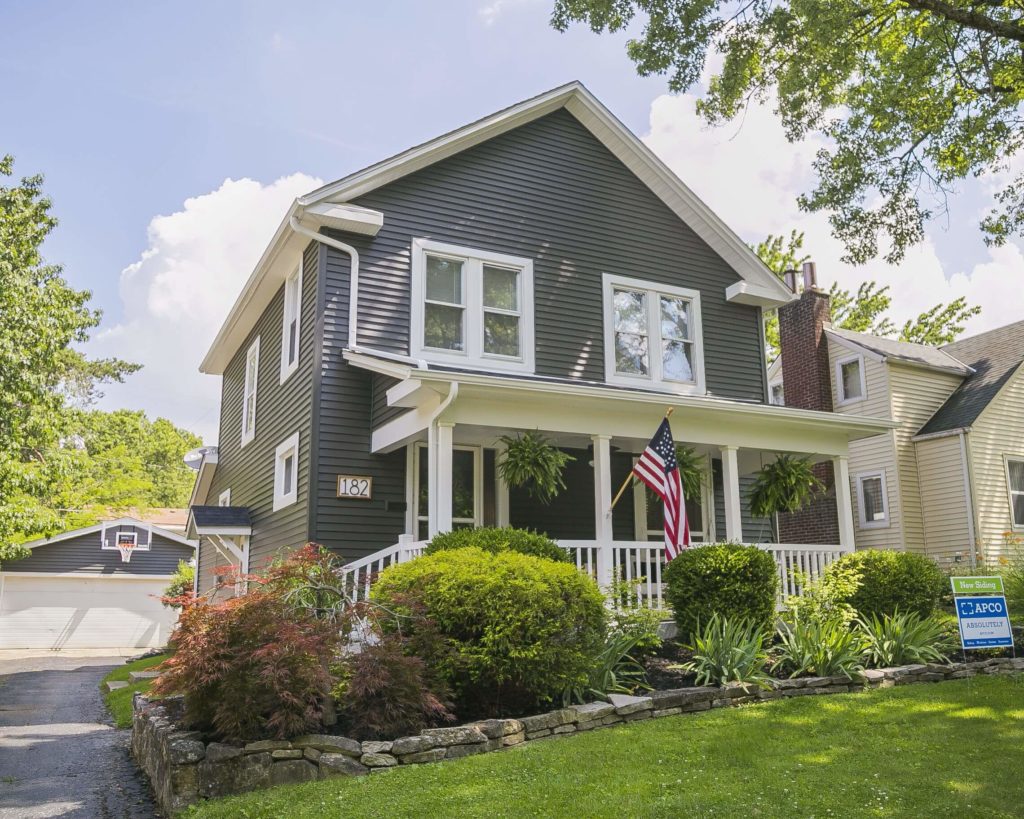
(184, 767)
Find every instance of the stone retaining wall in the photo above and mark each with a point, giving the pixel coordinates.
(185, 769)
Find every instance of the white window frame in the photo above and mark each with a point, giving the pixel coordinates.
(840, 392)
(862, 520)
(420, 451)
(288, 447)
(224, 499)
(1010, 491)
(654, 378)
(771, 393)
(292, 309)
(473, 260)
(139, 547)
(249, 391)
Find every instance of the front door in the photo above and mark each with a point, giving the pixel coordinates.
(467, 488)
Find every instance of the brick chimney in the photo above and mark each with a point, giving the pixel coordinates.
(807, 384)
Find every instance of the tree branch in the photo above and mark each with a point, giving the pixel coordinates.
(971, 19)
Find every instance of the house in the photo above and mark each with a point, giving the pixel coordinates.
(948, 479)
(539, 269)
(77, 590)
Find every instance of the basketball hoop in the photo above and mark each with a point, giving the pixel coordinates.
(126, 543)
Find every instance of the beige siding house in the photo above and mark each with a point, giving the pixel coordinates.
(948, 481)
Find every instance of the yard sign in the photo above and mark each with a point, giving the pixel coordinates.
(981, 612)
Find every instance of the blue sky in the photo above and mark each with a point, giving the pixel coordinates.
(173, 136)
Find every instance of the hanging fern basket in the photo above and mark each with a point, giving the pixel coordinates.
(532, 463)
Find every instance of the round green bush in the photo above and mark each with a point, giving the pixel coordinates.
(733, 581)
(500, 539)
(891, 581)
(504, 632)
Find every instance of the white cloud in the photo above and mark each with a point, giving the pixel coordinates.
(177, 294)
(750, 176)
(490, 13)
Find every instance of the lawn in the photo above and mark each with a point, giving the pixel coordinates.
(119, 702)
(945, 749)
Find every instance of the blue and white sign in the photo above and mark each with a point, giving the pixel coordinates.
(984, 622)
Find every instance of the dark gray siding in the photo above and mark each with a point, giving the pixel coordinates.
(551, 192)
(83, 555)
(281, 411)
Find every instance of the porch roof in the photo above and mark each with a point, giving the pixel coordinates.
(587, 408)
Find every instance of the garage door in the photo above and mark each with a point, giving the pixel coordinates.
(87, 612)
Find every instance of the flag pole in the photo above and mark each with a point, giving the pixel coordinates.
(629, 477)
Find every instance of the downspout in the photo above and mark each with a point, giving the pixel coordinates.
(353, 300)
(969, 497)
(453, 393)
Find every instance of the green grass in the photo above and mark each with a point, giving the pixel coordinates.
(948, 749)
(119, 702)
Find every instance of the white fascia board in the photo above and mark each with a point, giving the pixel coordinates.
(854, 347)
(345, 217)
(745, 292)
(392, 369)
(410, 393)
(224, 531)
(946, 433)
(110, 524)
(204, 479)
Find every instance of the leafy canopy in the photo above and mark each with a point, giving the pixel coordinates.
(911, 96)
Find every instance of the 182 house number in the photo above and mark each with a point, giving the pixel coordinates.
(355, 486)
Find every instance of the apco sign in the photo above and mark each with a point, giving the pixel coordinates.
(981, 612)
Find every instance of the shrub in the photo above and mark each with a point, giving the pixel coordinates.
(384, 694)
(901, 639)
(495, 539)
(628, 617)
(727, 650)
(253, 666)
(182, 585)
(891, 581)
(734, 581)
(822, 648)
(514, 630)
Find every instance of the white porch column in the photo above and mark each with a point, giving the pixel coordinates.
(440, 463)
(602, 506)
(731, 491)
(501, 502)
(844, 500)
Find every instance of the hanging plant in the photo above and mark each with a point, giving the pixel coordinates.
(691, 474)
(532, 462)
(787, 484)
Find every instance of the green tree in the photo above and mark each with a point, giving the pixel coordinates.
(865, 310)
(42, 374)
(911, 96)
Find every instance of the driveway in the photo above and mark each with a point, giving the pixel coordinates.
(59, 753)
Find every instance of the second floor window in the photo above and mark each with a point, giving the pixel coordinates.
(290, 327)
(850, 379)
(472, 307)
(653, 335)
(1015, 480)
(252, 369)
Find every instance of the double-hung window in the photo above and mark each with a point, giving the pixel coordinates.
(472, 307)
(252, 369)
(850, 379)
(286, 472)
(290, 327)
(1015, 483)
(872, 500)
(653, 335)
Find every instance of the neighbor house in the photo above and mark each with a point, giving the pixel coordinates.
(948, 479)
(539, 269)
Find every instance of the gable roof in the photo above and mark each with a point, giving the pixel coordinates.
(888, 349)
(757, 285)
(109, 524)
(994, 357)
(220, 520)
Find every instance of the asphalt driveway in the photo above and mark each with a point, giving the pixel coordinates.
(59, 754)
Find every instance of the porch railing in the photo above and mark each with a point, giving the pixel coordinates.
(638, 564)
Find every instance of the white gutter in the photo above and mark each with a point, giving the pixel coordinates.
(432, 467)
(353, 299)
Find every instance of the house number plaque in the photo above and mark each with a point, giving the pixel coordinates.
(355, 486)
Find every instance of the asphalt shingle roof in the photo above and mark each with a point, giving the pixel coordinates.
(995, 356)
(920, 354)
(211, 516)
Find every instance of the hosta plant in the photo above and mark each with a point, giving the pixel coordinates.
(808, 646)
(903, 638)
(727, 650)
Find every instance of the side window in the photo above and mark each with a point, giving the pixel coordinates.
(1015, 481)
(252, 369)
(225, 498)
(290, 328)
(872, 502)
(286, 472)
(850, 384)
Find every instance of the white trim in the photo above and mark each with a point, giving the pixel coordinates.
(946, 433)
(224, 499)
(136, 546)
(1010, 491)
(411, 499)
(252, 354)
(653, 293)
(99, 527)
(290, 446)
(226, 531)
(862, 521)
(204, 479)
(731, 495)
(88, 575)
(473, 353)
(969, 498)
(844, 502)
(292, 309)
(841, 397)
(956, 368)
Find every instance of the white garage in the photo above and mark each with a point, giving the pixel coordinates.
(75, 590)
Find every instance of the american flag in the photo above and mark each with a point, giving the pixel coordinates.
(659, 470)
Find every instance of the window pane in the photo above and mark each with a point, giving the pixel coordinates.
(631, 354)
(874, 503)
(293, 329)
(630, 311)
(1018, 510)
(675, 318)
(424, 485)
(851, 380)
(501, 334)
(677, 358)
(1016, 475)
(444, 280)
(422, 530)
(251, 374)
(287, 477)
(442, 327)
(501, 288)
(462, 484)
(250, 414)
